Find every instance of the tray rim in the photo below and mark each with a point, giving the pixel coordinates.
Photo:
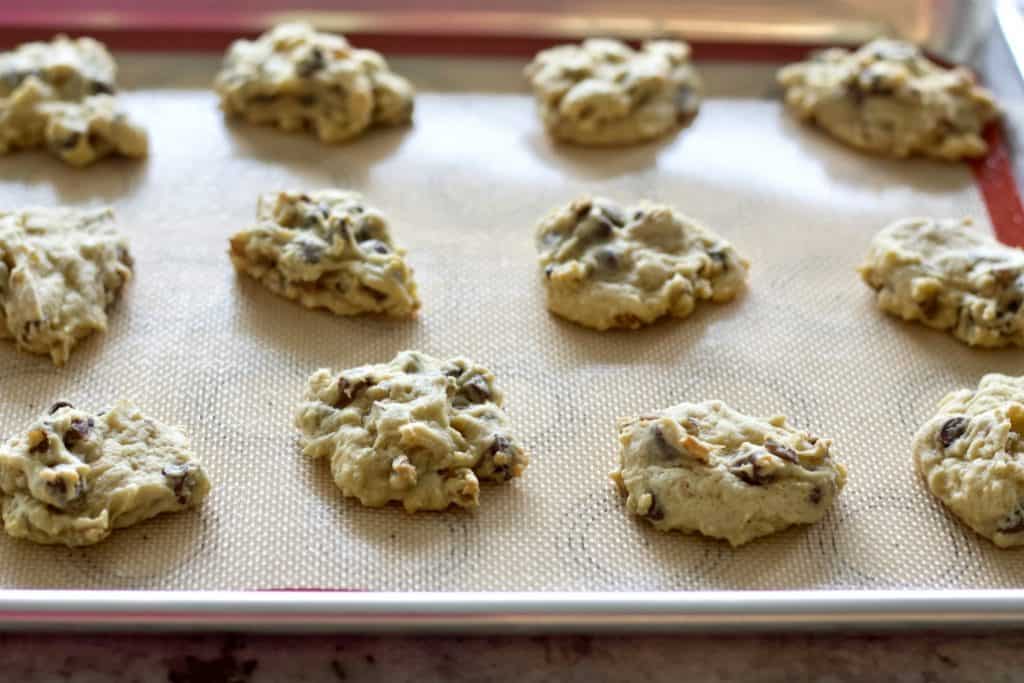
(525, 612)
(311, 610)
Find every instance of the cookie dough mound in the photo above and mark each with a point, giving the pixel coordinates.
(74, 69)
(58, 96)
(607, 265)
(294, 77)
(887, 98)
(603, 92)
(971, 455)
(326, 249)
(417, 430)
(949, 276)
(74, 477)
(704, 467)
(60, 269)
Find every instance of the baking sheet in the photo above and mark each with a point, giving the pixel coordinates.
(196, 345)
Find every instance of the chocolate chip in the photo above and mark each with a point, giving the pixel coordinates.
(101, 88)
(655, 513)
(58, 405)
(929, 307)
(664, 448)
(181, 480)
(1014, 522)
(452, 371)
(311, 252)
(581, 210)
(876, 85)
(499, 445)
(38, 441)
(311, 64)
(607, 258)
(476, 390)
(615, 215)
(784, 452)
(374, 294)
(70, 141)
(602, 230)
(748, 469)
(29, 329)
(720, 257)
(548, 270)
(638, 215)
(348, 390)
(78, 431)
(815, 496)
(951, 430)
(124, 257)
(59, 489)
(686, 102)
(376, 246)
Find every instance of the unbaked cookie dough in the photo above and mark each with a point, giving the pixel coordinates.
(704, 467)
(60, 269)
(971, 455)
(887, 98)
(294, 77)
(60, 96)
(607, 265)
(73, 477)
(949, 276)
(418, 430)
(603, 92)
(326, 249)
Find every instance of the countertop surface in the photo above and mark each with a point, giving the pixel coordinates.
(319, 659)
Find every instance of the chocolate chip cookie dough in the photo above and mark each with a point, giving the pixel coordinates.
(887, 98)
(60, 270)
(971, 455)
(326, 249)
(418, 430)
(950, 276)
(295, 78)
(603, 92)
(73, 477)
(704, 467)
(608, 265)
(60, 95)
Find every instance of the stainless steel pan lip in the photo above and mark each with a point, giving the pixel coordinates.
(535, 612)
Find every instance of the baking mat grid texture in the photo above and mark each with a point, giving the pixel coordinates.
(196, 345)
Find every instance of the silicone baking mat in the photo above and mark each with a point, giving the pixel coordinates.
(198, 346)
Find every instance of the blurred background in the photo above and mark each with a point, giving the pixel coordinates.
(949, 28)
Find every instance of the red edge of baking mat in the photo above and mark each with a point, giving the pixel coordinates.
(999, 189)
(993, 173)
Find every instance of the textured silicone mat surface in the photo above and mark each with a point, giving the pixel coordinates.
(198, 346)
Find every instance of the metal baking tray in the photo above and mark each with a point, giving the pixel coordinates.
(958, 31)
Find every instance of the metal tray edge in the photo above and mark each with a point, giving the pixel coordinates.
(310, 611)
